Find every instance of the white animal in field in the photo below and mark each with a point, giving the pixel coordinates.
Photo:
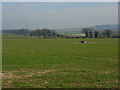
(82, 41)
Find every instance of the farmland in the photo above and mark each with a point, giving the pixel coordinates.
(60, 63)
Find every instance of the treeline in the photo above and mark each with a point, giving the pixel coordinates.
(47, 33)
(91, 33)
(43, 32)
(17, 31)
(37, 32)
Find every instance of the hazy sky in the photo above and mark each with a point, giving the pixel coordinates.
(58, 15)
(0, 17)
(60, 0)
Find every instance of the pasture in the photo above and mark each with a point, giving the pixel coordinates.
(60, 63)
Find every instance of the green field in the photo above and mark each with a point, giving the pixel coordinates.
(60, 63)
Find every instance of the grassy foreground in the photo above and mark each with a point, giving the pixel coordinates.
(60, 63)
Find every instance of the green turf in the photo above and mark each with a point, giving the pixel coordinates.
(60, 63)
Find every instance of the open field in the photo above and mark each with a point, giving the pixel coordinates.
(60, 63)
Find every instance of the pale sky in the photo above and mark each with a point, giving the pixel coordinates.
(0, 17)
(60, 0)
(58, 15)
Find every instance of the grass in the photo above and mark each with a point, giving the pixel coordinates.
(60, 63)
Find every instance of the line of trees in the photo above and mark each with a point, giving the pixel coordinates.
(17, 31)
(43, 32)
(47, 33)
(91, 33)
(37, 32)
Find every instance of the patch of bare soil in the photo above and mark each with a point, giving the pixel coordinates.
(10, 76)
(92, 42)
(86, 42)
(76, 42)
(9, 85)
(107, 72)
(95, 42)
(46, 71)
(77, 84)
(39, 73)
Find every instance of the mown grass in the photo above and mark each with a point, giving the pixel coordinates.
(60, 63)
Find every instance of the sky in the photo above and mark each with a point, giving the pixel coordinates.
(56, 15)
(60, 0)
(0, 17)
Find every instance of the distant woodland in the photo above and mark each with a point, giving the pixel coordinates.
(47, 33)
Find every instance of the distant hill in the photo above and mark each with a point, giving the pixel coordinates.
(69, 32)
(69, 29)
(113, 27)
